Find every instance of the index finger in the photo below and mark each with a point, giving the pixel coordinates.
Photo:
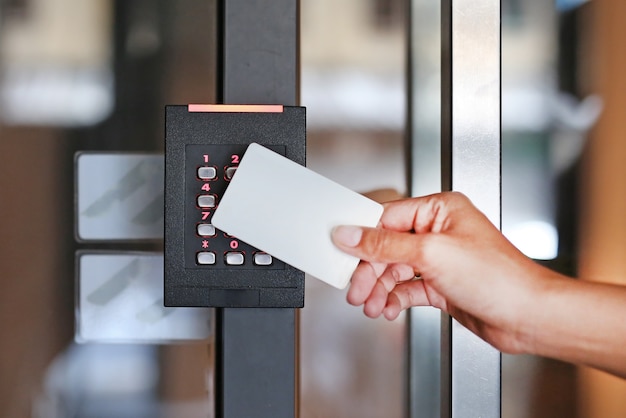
(423, 214)
(416, 214)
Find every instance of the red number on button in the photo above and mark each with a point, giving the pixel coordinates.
(206, 187)
(234, 245)
(206, 158)
(205, 215)
(234, 159)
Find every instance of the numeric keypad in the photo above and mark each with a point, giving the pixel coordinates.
(209, 169)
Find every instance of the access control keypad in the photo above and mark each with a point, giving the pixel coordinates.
(208, 170)
(203, 266)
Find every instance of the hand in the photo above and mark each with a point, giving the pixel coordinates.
(465, 266)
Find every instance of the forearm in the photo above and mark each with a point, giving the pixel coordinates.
(581, 322)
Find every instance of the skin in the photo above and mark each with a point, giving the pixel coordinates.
(468, 269)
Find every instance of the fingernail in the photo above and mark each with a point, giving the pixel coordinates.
(349, 236)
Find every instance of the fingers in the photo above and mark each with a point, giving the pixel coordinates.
(406, 295)
(440, 212)
(416, 214)
(391, 302)
(372, 289)
(366, 276)
(423, 214)
(379, 245)
(376, 302)
(393, 252)
(373, 282)
(363, 281)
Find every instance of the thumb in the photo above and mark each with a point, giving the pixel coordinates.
(378, 244)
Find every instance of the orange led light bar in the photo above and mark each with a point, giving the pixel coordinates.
(226, 108)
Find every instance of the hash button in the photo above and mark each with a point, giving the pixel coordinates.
(262, 259)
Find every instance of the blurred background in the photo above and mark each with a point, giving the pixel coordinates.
(93, 77)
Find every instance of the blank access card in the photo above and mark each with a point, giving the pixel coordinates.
(289, 211)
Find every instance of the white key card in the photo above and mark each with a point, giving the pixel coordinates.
(288, 211)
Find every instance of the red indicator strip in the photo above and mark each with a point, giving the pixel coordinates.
(235, 108)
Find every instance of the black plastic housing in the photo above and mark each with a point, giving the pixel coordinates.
(213, 138)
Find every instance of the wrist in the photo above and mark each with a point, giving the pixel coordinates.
(538, 311)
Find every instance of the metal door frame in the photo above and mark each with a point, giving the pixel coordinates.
(256, 349)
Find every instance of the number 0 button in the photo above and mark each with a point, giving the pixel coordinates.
(234, 258)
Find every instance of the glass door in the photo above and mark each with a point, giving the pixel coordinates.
(82, 90)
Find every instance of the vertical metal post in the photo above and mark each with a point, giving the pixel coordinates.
(471, 164)
(466, 368)
(424, 126)
(256, 349)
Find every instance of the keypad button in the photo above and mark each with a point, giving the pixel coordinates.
(230, 172)
(205, 258)
(206, 230)
(207, 173)
(234, 258)
(207, 201)
(262, 259)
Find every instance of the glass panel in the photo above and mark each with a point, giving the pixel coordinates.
(126, 203)
(354, 90)
(539, 152)
(94, 76)
(120, 299)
